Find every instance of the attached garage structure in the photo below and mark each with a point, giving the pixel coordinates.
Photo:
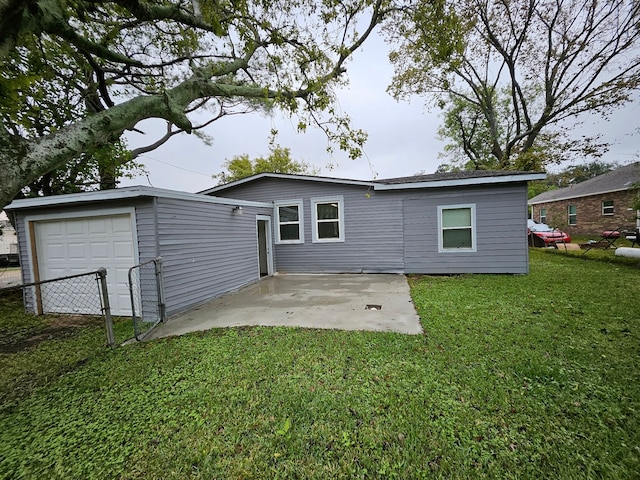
(209, 246)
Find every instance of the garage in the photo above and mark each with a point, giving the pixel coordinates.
(208, 246)
(69, 246)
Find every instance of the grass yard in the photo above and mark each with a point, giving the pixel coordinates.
(534, 376)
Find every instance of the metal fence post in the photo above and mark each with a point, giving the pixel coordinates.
(160, 287)
(102, 273)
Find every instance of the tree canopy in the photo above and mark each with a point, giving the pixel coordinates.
(97, 169)
(278, 161)
(75, 75)
(512, 76)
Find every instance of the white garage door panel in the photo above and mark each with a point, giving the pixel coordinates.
(98, 227)
(100, 250)
(122, 250)
(79, 245)
(121, 225)
(76, 251)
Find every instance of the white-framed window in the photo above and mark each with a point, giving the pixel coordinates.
(543, 215)
(289, 219)
(457, 228)
(327, 218)
(572, 215)
(607, 207)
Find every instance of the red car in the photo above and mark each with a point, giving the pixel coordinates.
(544, 234)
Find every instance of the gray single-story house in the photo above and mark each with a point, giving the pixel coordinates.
(228, 236)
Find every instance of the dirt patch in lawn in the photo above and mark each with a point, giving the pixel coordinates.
(57, 328)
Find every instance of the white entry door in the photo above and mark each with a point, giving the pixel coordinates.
(78, 245)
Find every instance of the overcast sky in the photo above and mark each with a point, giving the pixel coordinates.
(402, 136)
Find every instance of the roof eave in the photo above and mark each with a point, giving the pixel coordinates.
(580, 195)
(311, 178)
(124, 193)
(462, 182)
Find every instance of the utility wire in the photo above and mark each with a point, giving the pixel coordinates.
(176, 166)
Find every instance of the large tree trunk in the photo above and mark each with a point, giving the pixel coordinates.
(23, 161)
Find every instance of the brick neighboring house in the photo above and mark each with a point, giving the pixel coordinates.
(590, 207)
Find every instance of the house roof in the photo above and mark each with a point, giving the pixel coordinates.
(448, 179)
(123, 193)
(453, 179)
(434, 180)
(617, 180)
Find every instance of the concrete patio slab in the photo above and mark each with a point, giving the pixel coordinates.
(311, 301)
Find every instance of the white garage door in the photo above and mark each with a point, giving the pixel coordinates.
(79, 245)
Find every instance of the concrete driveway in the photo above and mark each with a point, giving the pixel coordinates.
(377, 302)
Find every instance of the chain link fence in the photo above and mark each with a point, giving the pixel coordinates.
(147, 296)
(81, 294)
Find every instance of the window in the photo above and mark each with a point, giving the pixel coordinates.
(543, 215)
(456, 228)
(328, 219)
(289, 217)
(572, 215)
(607, 207)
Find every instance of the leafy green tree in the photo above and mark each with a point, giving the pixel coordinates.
(101, 67)
(278, 161)
(469, 136)
(100, 169)
(512, 76)
(470, 139)
(41, 103)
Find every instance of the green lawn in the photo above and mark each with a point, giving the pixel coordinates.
(534, 376)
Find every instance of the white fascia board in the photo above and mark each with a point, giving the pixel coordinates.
(461, 182)
(286, 177)
(125, 193)
(571, 197)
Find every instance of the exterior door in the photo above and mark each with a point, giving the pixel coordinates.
(265, 258)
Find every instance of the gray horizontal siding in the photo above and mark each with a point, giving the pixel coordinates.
(25, 267)
(23, 250)
(146, 231)
(500, 231)
(206, 250)
(398, 230)
(373, 227)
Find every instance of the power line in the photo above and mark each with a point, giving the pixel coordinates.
(176, 166)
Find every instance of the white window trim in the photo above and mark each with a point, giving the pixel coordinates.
(474, 244)
(574, 215)
(612, 207)
(543, 218)
(314, 218)
(300, 222)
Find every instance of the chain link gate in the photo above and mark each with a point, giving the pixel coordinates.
(147, 296)
(79, 294)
